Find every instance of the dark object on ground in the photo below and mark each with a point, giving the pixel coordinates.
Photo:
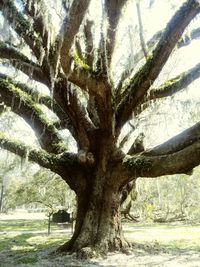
(61, 216)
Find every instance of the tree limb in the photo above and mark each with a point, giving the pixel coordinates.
(176, 84)
(23, 105)
(144, 78)
(177, 143)
(89, 42)
(179, 162)
(67, 107)
(98, 87)
(169, 88)
(38, 156)
(69, 30)
(180, 154)
(113, 10)
(50, 103)
(67, 98)
(21, 26)
(21, 62)
(66, 162)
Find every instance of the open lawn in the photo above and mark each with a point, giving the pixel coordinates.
(25, 243)
(175, 236)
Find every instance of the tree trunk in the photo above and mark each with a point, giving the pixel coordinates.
(98, 223)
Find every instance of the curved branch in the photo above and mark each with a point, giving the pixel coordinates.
(65, 164)
(176, 84)
(50, 103)
(180, 154)
(38, 156)
(21, 26)
(68, 109)
(182, 161)
(23, 105)
(177, 143)
(21, 62)
(169, 88)
(98, 87)
(144, 78)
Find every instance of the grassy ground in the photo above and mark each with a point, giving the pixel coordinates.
(168, 236)
(18, 248)
(21, 240)
(30, 225)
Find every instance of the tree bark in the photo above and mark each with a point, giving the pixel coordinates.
(98, 222)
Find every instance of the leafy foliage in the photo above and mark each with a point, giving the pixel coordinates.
(42, 190)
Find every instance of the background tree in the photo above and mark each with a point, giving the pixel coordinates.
(166, 199)
(69, 51)
(43, 189)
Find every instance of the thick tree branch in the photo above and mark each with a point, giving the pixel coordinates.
(113, 10)
(185, 40)
(89, 42)
(67, 98)
(97, 87)
(178, 142)
(21, 26)
(176, 84)
(180, 154)
(66, 106)
(169, 88)
(50, 103)
(153, 166)
(21, 62)
(23, 105)
(144, 78)
(20, 149)
(69, 30)
(64, 163)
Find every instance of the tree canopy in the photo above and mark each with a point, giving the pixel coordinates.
(67, 70)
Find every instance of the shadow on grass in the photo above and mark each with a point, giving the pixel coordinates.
(24, 248)
(35, 250)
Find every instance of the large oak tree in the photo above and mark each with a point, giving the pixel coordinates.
(72, 56)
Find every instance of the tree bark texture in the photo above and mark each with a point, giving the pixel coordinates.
(98, 219)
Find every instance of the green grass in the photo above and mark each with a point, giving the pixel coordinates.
(27, 225)
(166, 236)
(19, 247)
(26, 249)
(29, 242)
